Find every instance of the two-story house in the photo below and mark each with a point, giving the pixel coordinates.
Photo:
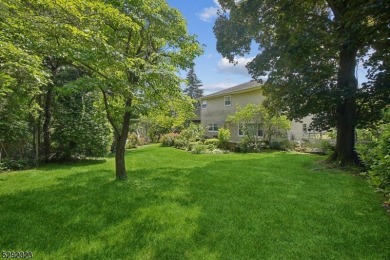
(216, 107)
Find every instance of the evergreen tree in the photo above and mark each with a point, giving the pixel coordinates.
(193, 85)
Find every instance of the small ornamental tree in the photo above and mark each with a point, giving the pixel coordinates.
(166, 117)
(250, 119)
(275, 125)
(256, 120)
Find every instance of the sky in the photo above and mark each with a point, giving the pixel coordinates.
(215, 72)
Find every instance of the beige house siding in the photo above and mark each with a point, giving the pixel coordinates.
(297, 129)
(216, 113)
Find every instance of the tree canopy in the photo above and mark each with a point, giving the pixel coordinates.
(129, 50)
(309, 51)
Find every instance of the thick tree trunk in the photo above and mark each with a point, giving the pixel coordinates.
(47, 123)
(120, 165)
(346, 111)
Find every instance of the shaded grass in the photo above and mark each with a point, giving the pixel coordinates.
(176, 205)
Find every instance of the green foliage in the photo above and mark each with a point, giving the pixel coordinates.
(132, 141)
(253, 118)
(13, 165)
(277, 145)
(180, 143)
(80, 129)
(194, 132)
(248, 145)
(212, 141)
(309, 50)
(326, 147)
(223, 137)
(193, 86)
(199, 148)
(376, 155)
(130, 51)
(168, 139)
(167, 117)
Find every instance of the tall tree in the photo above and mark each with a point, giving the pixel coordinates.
(21, 78)
(309, 50)
(130, 49)
(193, 87)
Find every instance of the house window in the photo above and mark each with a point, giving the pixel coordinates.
(204, 104)
(251, 129)
(259, 132)
(304, 128)
(228, 101)
(212, 127)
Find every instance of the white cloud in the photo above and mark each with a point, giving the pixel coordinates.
(224, 66)
(217, 3)
(210, 13)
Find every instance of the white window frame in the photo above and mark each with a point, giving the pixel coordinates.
(204, 104)
(229, 99)
(213, 127)
(257, 131)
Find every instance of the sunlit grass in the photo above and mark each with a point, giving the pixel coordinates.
(176, 205)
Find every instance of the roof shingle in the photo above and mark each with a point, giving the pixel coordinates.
(242, 87)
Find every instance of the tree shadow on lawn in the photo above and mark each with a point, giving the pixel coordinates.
(67, 165)
(89, 215)
(213, 212)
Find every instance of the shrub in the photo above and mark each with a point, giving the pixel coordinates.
(8, 165)
(168, 139)
(376, 156)
(132, 141)
(287, 145)
(248, 145)
(199, 148)
(180, 142)
(327, 147)
(218, 151)
(142, 141)
(275, 145)
(192, 133)
(223, 138)
(190, 145)
(212, 141)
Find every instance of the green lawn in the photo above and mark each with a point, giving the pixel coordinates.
(177, 205)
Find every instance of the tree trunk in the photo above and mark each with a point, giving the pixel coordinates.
(35, 139)
(47, 123)
(346, 110)
(120, 165)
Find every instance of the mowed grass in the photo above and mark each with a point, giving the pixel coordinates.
(176, 205)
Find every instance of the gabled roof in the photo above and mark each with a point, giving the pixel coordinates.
(239, 88)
